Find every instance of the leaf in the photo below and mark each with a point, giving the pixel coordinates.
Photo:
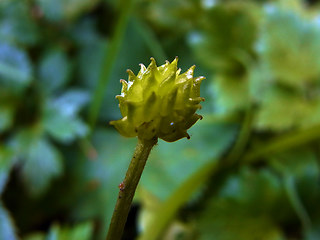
(52, 10)
(15, 66)
(65, 129)
(7, 229)
(301, 165)
(57, 10)
(86, 34)
(244, 208)
(81, 231)
(6, 117)
(231, 93)
(281, 110)
(60, 116)
(208, 141)
(101, 176)
(35, 236)
(6, 162)
(54, 70)
(221, 38)
(16, 23)
(42, 164)
(70, 102)
(89, 62)
(293, 62)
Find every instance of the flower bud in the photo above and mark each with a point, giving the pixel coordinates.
(159, 102)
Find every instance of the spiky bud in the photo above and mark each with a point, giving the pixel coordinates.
(159, 102)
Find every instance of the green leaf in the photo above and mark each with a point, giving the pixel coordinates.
(102, 176)
(16, 23)
(231, 93)
(293, 62)
(86, 34)
(6, 162)
(60, 117)
(244, 208)
(221, 36)
(81, 231)
(222, 222)
(42, 164)
(52, 10)
(57, 10)
(6, 117)
(282, 109)
(65, 129)
(7, 228)
(70, 102)
(208, 141)
(15, 66)
(35, 236)
(89, 61)
(54, 70)
(301, 165)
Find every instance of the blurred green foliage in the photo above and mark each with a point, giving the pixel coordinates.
(251, 169)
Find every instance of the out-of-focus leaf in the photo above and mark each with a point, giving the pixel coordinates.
(53, 10)
(311, 117)
(289, 44)
(102, 176)
(7, 229)
(65, 129)
(16, 23)
(60, 117)
(42, 163)
(282, 109)
(221, 36)
(302, 166)
(81, 231)
(314, 233)
(6, 116)
(208, 141)
(70, 102)
(35, 236)
(85, 33)
(15, 66)
(231, 93)
(6, 161)
(57, 10)
(90, 62)
(54, 70)
(244, 208)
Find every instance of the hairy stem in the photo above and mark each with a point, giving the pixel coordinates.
(128, 188)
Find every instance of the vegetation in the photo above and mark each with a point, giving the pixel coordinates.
(251, 168)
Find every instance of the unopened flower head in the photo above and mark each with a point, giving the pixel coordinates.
(159, 102)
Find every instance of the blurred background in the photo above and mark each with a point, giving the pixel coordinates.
(251, 168)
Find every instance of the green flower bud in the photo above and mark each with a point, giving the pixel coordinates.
(159, 102)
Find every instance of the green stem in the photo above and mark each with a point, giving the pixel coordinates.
(292, 194)
(242, 140)
(283, 142)
(290, 188)
(128, 188)
(108, 62)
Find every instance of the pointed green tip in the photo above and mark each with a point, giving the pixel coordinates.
(131, 75)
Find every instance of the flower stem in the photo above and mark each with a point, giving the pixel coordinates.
(128, 188)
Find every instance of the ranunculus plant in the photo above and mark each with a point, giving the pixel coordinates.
(157, 103)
